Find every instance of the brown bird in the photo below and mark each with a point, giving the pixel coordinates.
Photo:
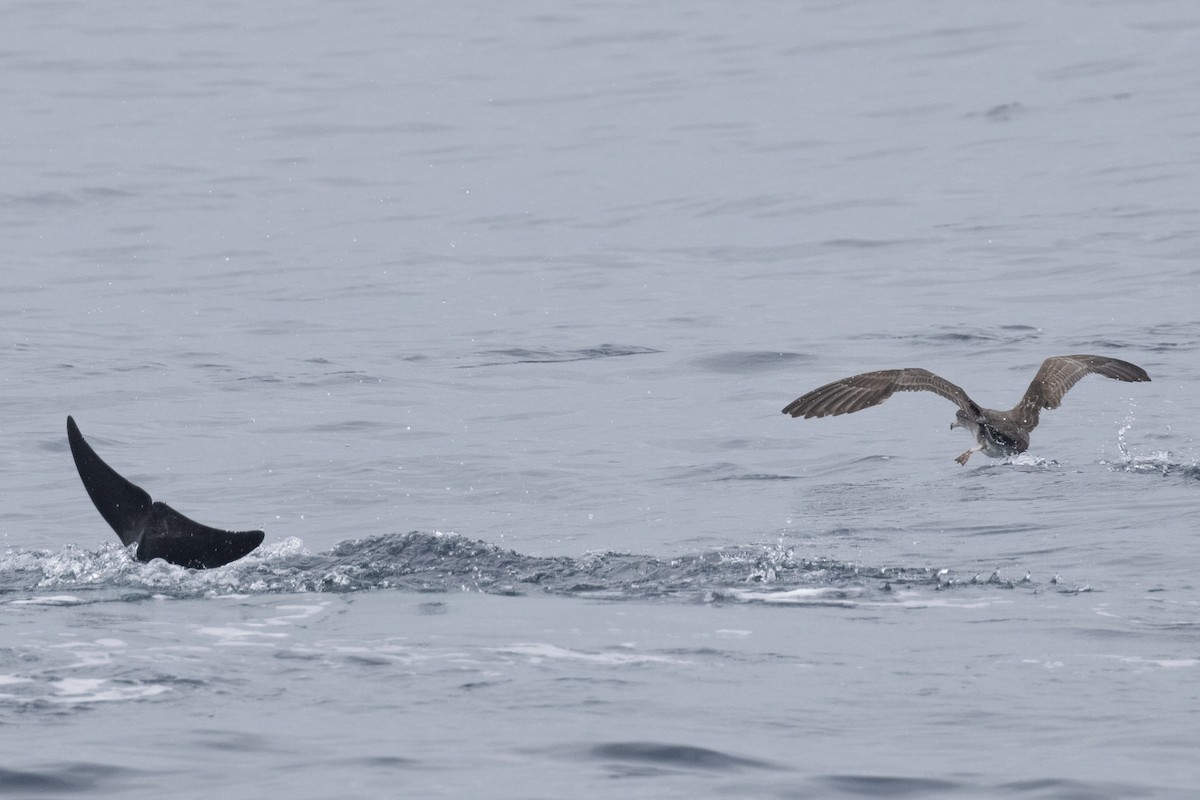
(998, 433)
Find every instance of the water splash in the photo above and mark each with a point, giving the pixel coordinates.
(1122, 444)
(1160, 462)
(441, 562)
(1030, 462)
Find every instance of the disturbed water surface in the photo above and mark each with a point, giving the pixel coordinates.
(486, 313)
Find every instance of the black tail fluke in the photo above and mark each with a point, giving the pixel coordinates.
(158, 530)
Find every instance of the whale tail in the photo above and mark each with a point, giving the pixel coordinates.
(158, 530)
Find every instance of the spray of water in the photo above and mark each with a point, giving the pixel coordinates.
(1158, 461)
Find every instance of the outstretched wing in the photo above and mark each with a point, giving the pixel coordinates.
(158, 530)
(1059, 373)
(857, 392)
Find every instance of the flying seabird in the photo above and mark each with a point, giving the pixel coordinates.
(998, 433)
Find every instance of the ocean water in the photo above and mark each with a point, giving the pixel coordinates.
(486, 313)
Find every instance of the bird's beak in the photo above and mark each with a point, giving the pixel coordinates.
(953, 425)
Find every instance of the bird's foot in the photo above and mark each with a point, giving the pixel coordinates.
(963, 458)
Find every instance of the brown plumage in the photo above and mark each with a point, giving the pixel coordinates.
(998, 433)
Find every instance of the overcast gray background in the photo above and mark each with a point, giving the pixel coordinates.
(544, 275)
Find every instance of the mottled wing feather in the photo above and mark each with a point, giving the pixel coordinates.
(857, 392)
(1059, 373)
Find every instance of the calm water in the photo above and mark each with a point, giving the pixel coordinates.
(486, 313)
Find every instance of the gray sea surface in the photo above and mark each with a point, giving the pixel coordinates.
(486, 312)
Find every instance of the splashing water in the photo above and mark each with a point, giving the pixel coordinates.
(439, 562)
(1157, 462)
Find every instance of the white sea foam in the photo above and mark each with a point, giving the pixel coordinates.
(537, 652)
(100, 690)
(49, 600)
(798, 595)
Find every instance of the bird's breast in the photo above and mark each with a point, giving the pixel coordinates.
(997, 443)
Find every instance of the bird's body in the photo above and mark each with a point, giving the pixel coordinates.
(997, 433)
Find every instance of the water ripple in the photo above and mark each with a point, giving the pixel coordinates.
(521, 355)
(672, 757)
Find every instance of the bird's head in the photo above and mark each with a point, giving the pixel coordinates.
(960, 420)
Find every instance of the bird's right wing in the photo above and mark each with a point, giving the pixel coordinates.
(857, 392)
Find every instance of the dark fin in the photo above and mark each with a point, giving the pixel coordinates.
(158, 530)
(123, 505)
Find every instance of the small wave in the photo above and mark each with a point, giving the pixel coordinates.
(441, 562)
(806, 595)
(51, 600)
(85, 691)
(1164, 337)
(520, 355)
(666, 756)
(890, 786)
(1004, 112)
(759, 476)
(748, 362)
(537, 653)
(59, 779)
(719, 472)
(1002, 335)
(62, 693)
